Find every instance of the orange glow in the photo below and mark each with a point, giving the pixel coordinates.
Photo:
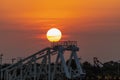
(54, 35)
(58, 8)
(95, 24)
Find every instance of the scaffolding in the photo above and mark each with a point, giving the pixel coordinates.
(39, 66)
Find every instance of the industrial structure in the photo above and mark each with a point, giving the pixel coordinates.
(40, 66)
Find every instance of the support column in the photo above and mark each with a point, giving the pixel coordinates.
(21, 71)
(35, 68)
(60, 52)
(49, 65)
(1, 66)
(55, 66)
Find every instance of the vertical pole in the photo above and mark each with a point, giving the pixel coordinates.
(49, 65)
(118, 68)
(6, 75)
(35, 70)
(1, 66)
(21, 72)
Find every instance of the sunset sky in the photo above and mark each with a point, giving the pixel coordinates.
(95, 24)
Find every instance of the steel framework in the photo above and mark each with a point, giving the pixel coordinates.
(39, 66)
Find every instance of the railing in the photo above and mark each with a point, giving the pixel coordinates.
(64, 43)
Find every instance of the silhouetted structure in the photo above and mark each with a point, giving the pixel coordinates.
(101, 71)
(40, 67)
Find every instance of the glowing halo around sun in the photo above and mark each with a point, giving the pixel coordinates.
(54, 35)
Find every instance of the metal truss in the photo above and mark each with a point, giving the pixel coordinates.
(39, 66)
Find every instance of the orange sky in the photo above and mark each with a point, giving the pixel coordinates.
(96, 23)
(58, 8)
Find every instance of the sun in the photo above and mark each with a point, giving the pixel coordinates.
(54, 35)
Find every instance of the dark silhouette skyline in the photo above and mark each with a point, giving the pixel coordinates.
(95, 24)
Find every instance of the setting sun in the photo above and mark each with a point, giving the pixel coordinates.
(54, 35)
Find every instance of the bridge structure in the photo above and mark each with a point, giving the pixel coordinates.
(39, 66)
